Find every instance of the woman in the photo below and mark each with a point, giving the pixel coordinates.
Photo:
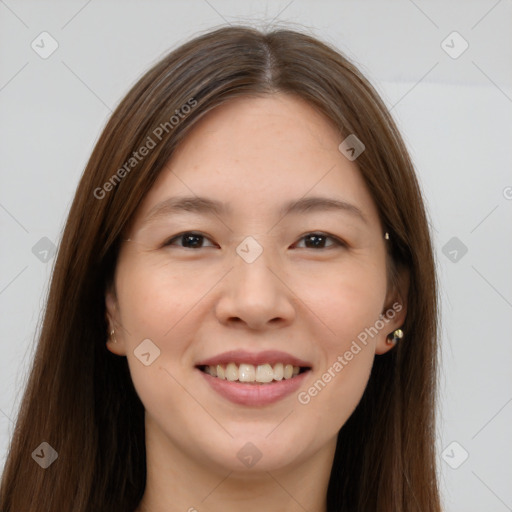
(243, 308)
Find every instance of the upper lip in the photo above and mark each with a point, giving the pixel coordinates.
(255, 358)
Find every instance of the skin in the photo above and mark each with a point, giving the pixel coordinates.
(194, 303)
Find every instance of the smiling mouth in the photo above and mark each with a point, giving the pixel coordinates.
(253, 374)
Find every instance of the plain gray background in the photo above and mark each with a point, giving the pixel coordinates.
(455, 112)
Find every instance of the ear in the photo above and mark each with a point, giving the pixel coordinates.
(114, 323)
(395, 310)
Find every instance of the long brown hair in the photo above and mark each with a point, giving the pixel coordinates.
(80, 398)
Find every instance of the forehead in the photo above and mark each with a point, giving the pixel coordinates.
(253, 129)
(257, 153)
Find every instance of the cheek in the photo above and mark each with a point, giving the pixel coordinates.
(153, 296)
(346, 299)
(153, 307)
(333, 395)
(348, 306)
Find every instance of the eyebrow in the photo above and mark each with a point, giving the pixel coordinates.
(204, 205)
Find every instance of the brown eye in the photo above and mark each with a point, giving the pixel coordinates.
(317, 241)
(189, 239)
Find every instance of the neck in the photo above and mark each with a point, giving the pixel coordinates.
(178, 482)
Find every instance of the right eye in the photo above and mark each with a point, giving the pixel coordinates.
(191, 239)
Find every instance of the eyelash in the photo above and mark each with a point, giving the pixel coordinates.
(337, 242)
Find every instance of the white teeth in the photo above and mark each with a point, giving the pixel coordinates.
(263, 373)
(231, 372)
(278, 371)
(246, 373)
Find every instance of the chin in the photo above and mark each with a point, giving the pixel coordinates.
(255, 451)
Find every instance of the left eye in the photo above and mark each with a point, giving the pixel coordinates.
(318, 240)
(314, 240)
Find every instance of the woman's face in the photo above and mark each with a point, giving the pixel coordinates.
(257, 284)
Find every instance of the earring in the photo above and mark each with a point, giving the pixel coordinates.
(112, 335)
(386, 235)
(394, 337)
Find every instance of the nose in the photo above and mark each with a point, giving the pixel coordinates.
(255, 295)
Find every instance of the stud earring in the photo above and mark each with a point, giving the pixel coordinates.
(394, 337)
(112, 335)
(386, 235)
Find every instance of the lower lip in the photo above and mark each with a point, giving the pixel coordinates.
(255, 394)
